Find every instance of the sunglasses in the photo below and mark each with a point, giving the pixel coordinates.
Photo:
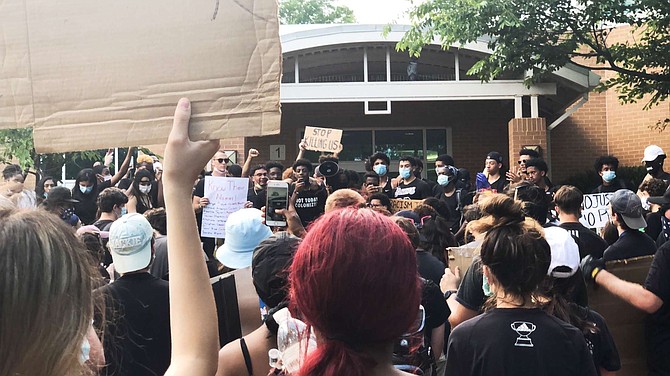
(521, 161)
(222, 160)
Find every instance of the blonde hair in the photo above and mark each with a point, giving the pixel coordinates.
(45, 295)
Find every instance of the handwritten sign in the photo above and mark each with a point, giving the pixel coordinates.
(400, 204)
(226, 195)
(594, 210)
(323, 139)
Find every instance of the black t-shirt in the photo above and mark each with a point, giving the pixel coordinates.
(430, 267)
(257, 197)
(417, 189)
(658, 323)
(470, 294)
(518, 342)
(310, 204)
(588, 241)
(499, 185)
(654, 226)
(613, 187)
(137, 328)
(105, 225)
(631, 243)
(87, 207)
(437, 310)
(159, 267)
(601, 344)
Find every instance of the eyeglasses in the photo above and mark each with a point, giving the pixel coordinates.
(222, 160)
(375, 205)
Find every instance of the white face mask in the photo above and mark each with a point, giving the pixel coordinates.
(145, 189)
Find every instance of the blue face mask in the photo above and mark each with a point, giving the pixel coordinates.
(405, 173)
(85, 190)
(608, 176)
(442, 180)
(124, 211)
(380, 169)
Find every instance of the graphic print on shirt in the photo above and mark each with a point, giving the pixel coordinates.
(523, 329)
(408, 191)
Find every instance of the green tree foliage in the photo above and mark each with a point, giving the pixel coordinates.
(17, 145)
(293, 12)
(543, 35)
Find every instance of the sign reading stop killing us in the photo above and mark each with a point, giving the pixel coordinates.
(594, 210)
(323, 139)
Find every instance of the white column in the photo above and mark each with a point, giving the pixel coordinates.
(388, 64)
(518, 107)
(296, 70)
(365, 64)
(457, 66)
(534, 108)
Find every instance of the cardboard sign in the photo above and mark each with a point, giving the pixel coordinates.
(96, 74)
(237, 304)
(625, 322)
(323, 139)
(461, 257)
(226, 196)
(594, 210)
(400, 204)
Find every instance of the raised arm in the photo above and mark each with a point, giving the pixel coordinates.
(253, 153)
(123, 169)
(302, 146)
(195, 342)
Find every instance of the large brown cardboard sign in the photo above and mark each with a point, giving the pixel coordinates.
(401, 204)
(625, 322)
(97, 74)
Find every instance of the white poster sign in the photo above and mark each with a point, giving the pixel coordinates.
(594, 210)
(225, 195)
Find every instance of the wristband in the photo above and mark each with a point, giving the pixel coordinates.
(595, 272)
(449, 293)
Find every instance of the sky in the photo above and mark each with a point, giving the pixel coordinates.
(378, 11)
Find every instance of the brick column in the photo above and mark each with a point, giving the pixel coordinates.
(235, 144)
(524, 132)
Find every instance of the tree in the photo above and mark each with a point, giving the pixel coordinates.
(17, 145)
(542, 36)
(314, 12)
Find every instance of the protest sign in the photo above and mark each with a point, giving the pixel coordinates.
(400, 204)
(225, 195)
(625, 322)
(461, 257)
(323, 139)
(85, 80)
(594, 210)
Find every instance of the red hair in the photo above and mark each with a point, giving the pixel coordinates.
(354, 279)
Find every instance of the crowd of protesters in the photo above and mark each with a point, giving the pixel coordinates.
(113, 278)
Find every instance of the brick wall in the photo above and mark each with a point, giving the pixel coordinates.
(580, 139)
(526, 131)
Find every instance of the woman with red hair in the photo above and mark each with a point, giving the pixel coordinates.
(358, 292)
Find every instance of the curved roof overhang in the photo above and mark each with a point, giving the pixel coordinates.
(563, 88)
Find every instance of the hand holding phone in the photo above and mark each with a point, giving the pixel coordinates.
(277, 198)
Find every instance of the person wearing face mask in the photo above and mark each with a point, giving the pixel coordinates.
(61, 203)
(112, 205)
(139, 195)
(379, 163)
(454, 198)
(653, 161)
(87, 188)
(607, 166)
(410, 187)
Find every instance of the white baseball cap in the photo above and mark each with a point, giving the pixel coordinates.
(564, 252)
(130, 243)
(652, 152)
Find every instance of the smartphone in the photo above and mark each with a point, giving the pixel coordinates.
(277, 198)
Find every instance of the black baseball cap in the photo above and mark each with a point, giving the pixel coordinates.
(60, 194)
(495, 156)
(270, 267)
